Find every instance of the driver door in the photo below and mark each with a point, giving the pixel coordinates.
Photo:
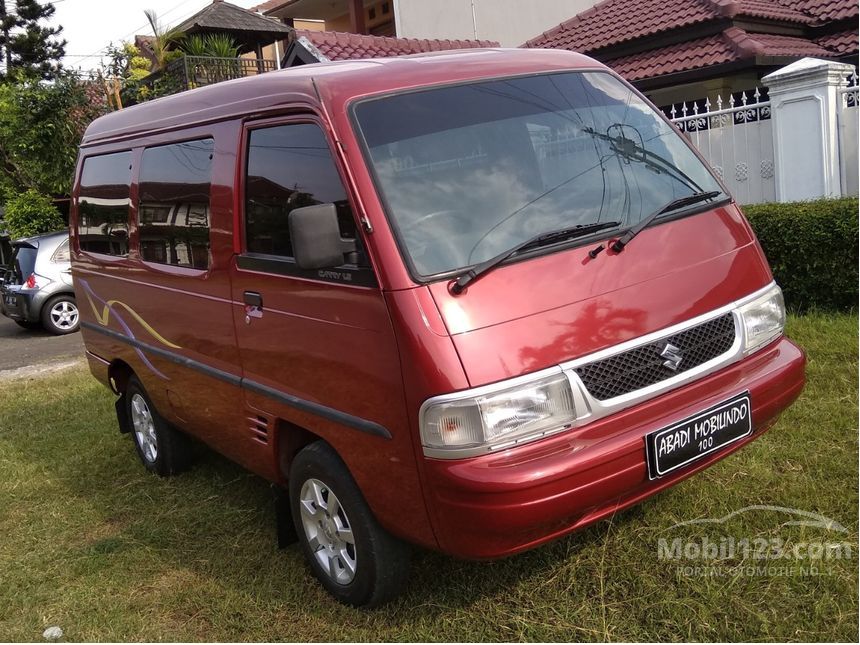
(319, 337)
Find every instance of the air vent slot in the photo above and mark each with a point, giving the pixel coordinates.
(259, 427)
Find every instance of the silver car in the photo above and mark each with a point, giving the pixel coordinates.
(36, 289)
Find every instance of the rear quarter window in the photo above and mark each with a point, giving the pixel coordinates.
(103, 204)
(61, 254)
(173, 212)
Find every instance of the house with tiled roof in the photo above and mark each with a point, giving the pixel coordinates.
(352, 29)
(248, 32)
(682, 50)
(319, 46)
(248, 29)
(509, 22)
(267, 42)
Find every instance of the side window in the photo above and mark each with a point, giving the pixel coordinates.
(290, 166)
(103, 204)
(173, 213)
(61, 254)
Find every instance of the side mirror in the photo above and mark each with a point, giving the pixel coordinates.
(315, 236)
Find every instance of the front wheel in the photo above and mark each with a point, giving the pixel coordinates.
(355, 559)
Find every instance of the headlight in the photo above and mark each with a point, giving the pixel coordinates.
(487, 419)
(763, 319)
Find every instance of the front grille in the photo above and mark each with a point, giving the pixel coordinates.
(643, 366)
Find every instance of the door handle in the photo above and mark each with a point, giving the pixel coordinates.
(253, 299)
(253, 306)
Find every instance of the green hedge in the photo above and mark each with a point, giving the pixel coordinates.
(31, 213)
(812, 249)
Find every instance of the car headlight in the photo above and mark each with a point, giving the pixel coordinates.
(763, 319)
(485, 419)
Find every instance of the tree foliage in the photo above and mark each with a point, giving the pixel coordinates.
(41, 126)
(28, 49)
(122, 73)
(162, 40)
(214, 45)
(31, 213)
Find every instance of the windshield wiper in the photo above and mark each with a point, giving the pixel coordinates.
(459, 284)
(628, 149)
(687, 200)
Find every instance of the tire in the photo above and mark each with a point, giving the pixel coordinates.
(28, 324)
(161, 448)
(370, 570)
(60, 315)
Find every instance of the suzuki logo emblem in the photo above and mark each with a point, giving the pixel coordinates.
(672, 355)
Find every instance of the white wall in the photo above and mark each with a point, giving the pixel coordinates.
(510, 22)
(848, 132)
(806, 104)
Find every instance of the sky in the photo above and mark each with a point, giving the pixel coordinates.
(91, 25)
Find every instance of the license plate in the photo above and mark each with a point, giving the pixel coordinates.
(685, 442)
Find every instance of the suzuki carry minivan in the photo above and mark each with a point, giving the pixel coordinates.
(469, 301)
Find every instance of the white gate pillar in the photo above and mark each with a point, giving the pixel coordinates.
(804, 100)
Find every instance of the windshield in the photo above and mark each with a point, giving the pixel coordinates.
(469, 171)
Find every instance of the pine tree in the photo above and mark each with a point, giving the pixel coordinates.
(7, 22)
(28, 49)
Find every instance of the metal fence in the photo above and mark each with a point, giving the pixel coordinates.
(189, 72)
(736, 138)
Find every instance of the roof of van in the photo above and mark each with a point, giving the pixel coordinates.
(336, 82)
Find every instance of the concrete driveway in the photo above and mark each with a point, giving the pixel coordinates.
(22, 348)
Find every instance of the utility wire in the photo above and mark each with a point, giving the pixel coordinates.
(135, 31)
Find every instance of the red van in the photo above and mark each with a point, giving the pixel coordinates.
(470, 301)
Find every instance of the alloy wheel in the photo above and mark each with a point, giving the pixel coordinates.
(144, 428)
(328, 531)
(64, 315)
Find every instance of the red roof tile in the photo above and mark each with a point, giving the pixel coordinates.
(770, 9)
(616, 21)
(693, 54)
(774, 45)
(825, 9)
(337, 45)
(842, 42)
(732, 45)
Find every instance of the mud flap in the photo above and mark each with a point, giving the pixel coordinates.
(283, 518)
(122, 414)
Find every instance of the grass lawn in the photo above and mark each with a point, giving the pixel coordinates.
(91, 542)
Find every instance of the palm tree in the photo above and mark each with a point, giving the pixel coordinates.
(162, 39)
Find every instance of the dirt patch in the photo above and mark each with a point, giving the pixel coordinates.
(41, 369)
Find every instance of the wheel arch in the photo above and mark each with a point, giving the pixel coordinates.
(291, 439)
(119, 374)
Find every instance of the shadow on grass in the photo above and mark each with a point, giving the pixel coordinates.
(118, 554)
(217, 521)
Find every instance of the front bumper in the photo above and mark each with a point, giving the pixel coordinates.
(500, 504)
